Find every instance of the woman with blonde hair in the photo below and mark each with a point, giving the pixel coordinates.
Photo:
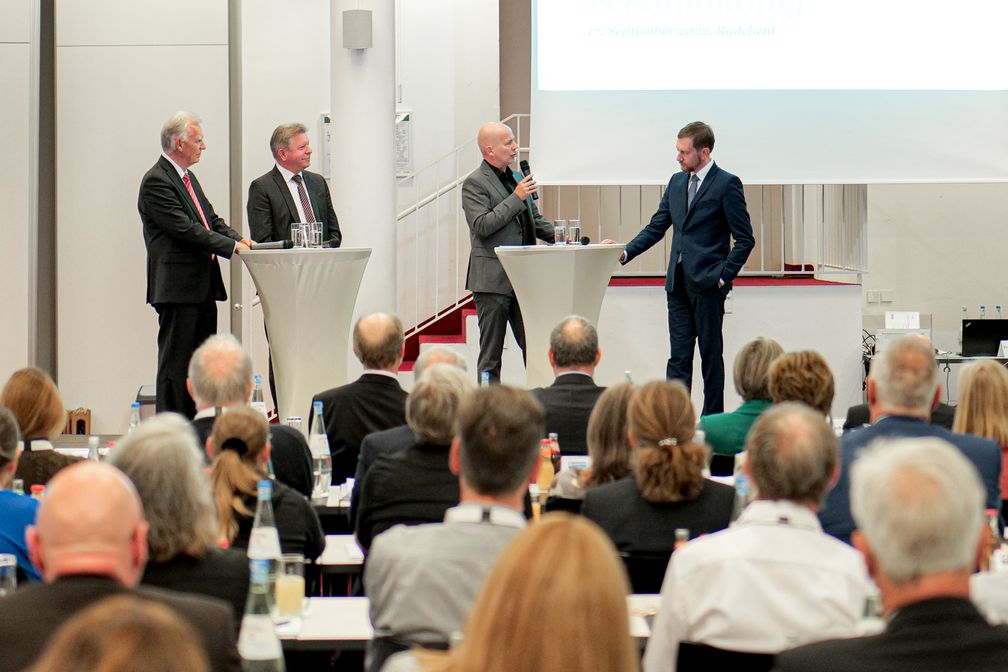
(983, 411)
(667, 490)
(239, 447)
(608, 445)
(32, 397)
(555, 600)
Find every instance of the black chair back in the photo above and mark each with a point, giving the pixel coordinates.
(702, 658)
(646, 571)
(722, 465)
(567, 504)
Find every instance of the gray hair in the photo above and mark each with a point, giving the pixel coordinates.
(176, 127)
(499, 429)
(378, 340)
(163, 459)
(574, 342)
(920, 505)
(905, 374)
(752, 368)
(433, 404)
(9, 433)
(283, 134)
(792, 454)
(437, 354)
(220, 371)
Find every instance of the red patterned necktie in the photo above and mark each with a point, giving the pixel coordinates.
(303, 195)
(199, 209)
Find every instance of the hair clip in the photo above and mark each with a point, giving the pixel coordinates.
(668, 441)
(235, 444)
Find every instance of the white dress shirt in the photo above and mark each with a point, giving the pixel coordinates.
(772, 581)
(288, 177)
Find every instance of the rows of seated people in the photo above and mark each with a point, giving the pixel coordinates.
(895, 514)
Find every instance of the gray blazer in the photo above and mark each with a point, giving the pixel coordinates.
(492, 214)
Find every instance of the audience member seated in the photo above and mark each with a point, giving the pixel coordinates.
(556, 600)
(780, 580)
(983, 411)
(573, 353)
(803, 377)
(373, 402)
(918, 504)
(124, 634)
(422, 579)
(902, 388)
(17, 512)
(608, 445)
(725, 433)
(240, 450)
(162, 460)
(90, 543)
(32, 397)
(416, 485)
(667, 490)
(220, 377)
(398, 438)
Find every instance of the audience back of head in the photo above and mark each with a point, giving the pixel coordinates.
(432, 405)
(608, 445)
(238, 447)
(437, 354)
(378, 341)
(983, 403)
(8, 443)
(220, 372)
(751, 372)
(574, 343)
(904, 376)
(802, 376)
(32, 397)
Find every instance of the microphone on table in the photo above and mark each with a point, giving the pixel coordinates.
(585, 240)
(274, 245)
(523, 164)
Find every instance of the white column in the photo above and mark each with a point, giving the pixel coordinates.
(363, 124)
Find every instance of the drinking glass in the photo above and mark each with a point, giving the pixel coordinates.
(8, 573)
(560, 232)
(290, 585)
(574, 232)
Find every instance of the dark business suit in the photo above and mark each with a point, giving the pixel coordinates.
(290, 456)
(985, 455)
(271, 208)
(30, 616)
(372, 447)
(937, 635)
(859, 416)
(702, 236)
(496, 216)
(569, 402)
(183, 278)
(371, 403)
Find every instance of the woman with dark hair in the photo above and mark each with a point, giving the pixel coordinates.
(239, 446)
(667, 490)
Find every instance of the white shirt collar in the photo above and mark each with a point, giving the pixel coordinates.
(208, 412)
(381, 372)
(573, 373)
(702, 173)
(484, 513)
(287, 175)
(779, 512)
(179, 169)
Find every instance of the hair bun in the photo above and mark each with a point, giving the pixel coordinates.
(236, 444)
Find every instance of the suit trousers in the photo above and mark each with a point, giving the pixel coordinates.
(696, 318)
(493, 313)
(182, 327)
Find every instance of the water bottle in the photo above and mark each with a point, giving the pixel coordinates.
(92, 450)
(134, 420)
(257, 397)
(258, 644)
(484, 379)
(321, 458)
(741, 495)
(264, 541)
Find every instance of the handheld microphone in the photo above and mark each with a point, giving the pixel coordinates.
(274, 245)
(585, 240)
(523, 164)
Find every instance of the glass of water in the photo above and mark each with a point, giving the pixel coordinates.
(560, 232)
(574, 232)
(8, 573)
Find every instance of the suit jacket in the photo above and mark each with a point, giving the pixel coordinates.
(703, 233)
(30, 615)
(859, 416)
(934, 635)
(290, 456)
(569, 402)
(221, 572)
(638, 526)
(372, 447)
(180, 267)
(371, 403)
(271, 208)
(985, 455)
(494, 216)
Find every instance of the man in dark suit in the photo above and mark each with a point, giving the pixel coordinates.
(858, 416)
(499, 210)
(705, 207)
(902, 389)
(919, 510)
(184, 237)
(573, 354)
(90, 542)
(220, 377)
(373, 402)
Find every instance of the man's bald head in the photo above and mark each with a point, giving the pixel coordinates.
(90, 522)
(378, 341)
(220, 373)
(497, 144)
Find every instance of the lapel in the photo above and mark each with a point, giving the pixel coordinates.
(180, 188)
(711, 175)
(491, 177)
(285, 193)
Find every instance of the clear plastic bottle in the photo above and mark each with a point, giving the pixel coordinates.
(318, 444)
(258, 644)
(92, 452)
(134, 420)
(258, 402)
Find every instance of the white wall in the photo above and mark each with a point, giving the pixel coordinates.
(120, 72)
(18, 42)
